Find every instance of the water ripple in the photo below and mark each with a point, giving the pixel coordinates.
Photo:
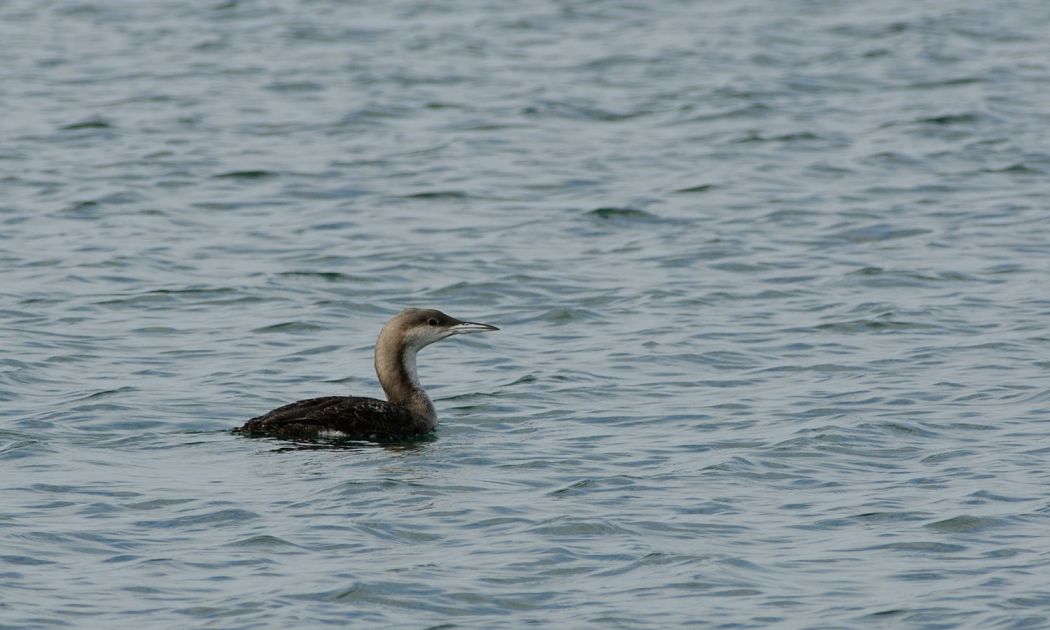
(771, 281)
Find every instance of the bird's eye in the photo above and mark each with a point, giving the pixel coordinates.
(432, 321)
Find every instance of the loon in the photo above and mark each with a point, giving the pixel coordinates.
(406, 412)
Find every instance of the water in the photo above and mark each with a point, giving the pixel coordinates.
(771, 276)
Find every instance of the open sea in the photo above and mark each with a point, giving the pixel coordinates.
(773, 279)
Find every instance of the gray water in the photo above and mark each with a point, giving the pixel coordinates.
(772, 278)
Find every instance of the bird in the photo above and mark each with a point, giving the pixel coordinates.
(407, 411)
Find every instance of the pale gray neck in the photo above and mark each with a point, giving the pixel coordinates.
(396, 369)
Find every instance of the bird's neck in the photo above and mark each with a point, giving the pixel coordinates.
(396, 369)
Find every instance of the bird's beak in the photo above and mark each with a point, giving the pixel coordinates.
(470, 327)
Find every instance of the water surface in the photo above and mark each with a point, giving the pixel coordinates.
(771, 277)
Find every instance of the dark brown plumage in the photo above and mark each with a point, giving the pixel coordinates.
(352, 416)
(408, 411)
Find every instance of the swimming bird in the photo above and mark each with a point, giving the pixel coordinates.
(406, 412)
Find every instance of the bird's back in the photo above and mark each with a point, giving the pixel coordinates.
(351, 417)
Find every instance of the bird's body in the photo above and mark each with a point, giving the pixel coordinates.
(341, 416)
(407, 412)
